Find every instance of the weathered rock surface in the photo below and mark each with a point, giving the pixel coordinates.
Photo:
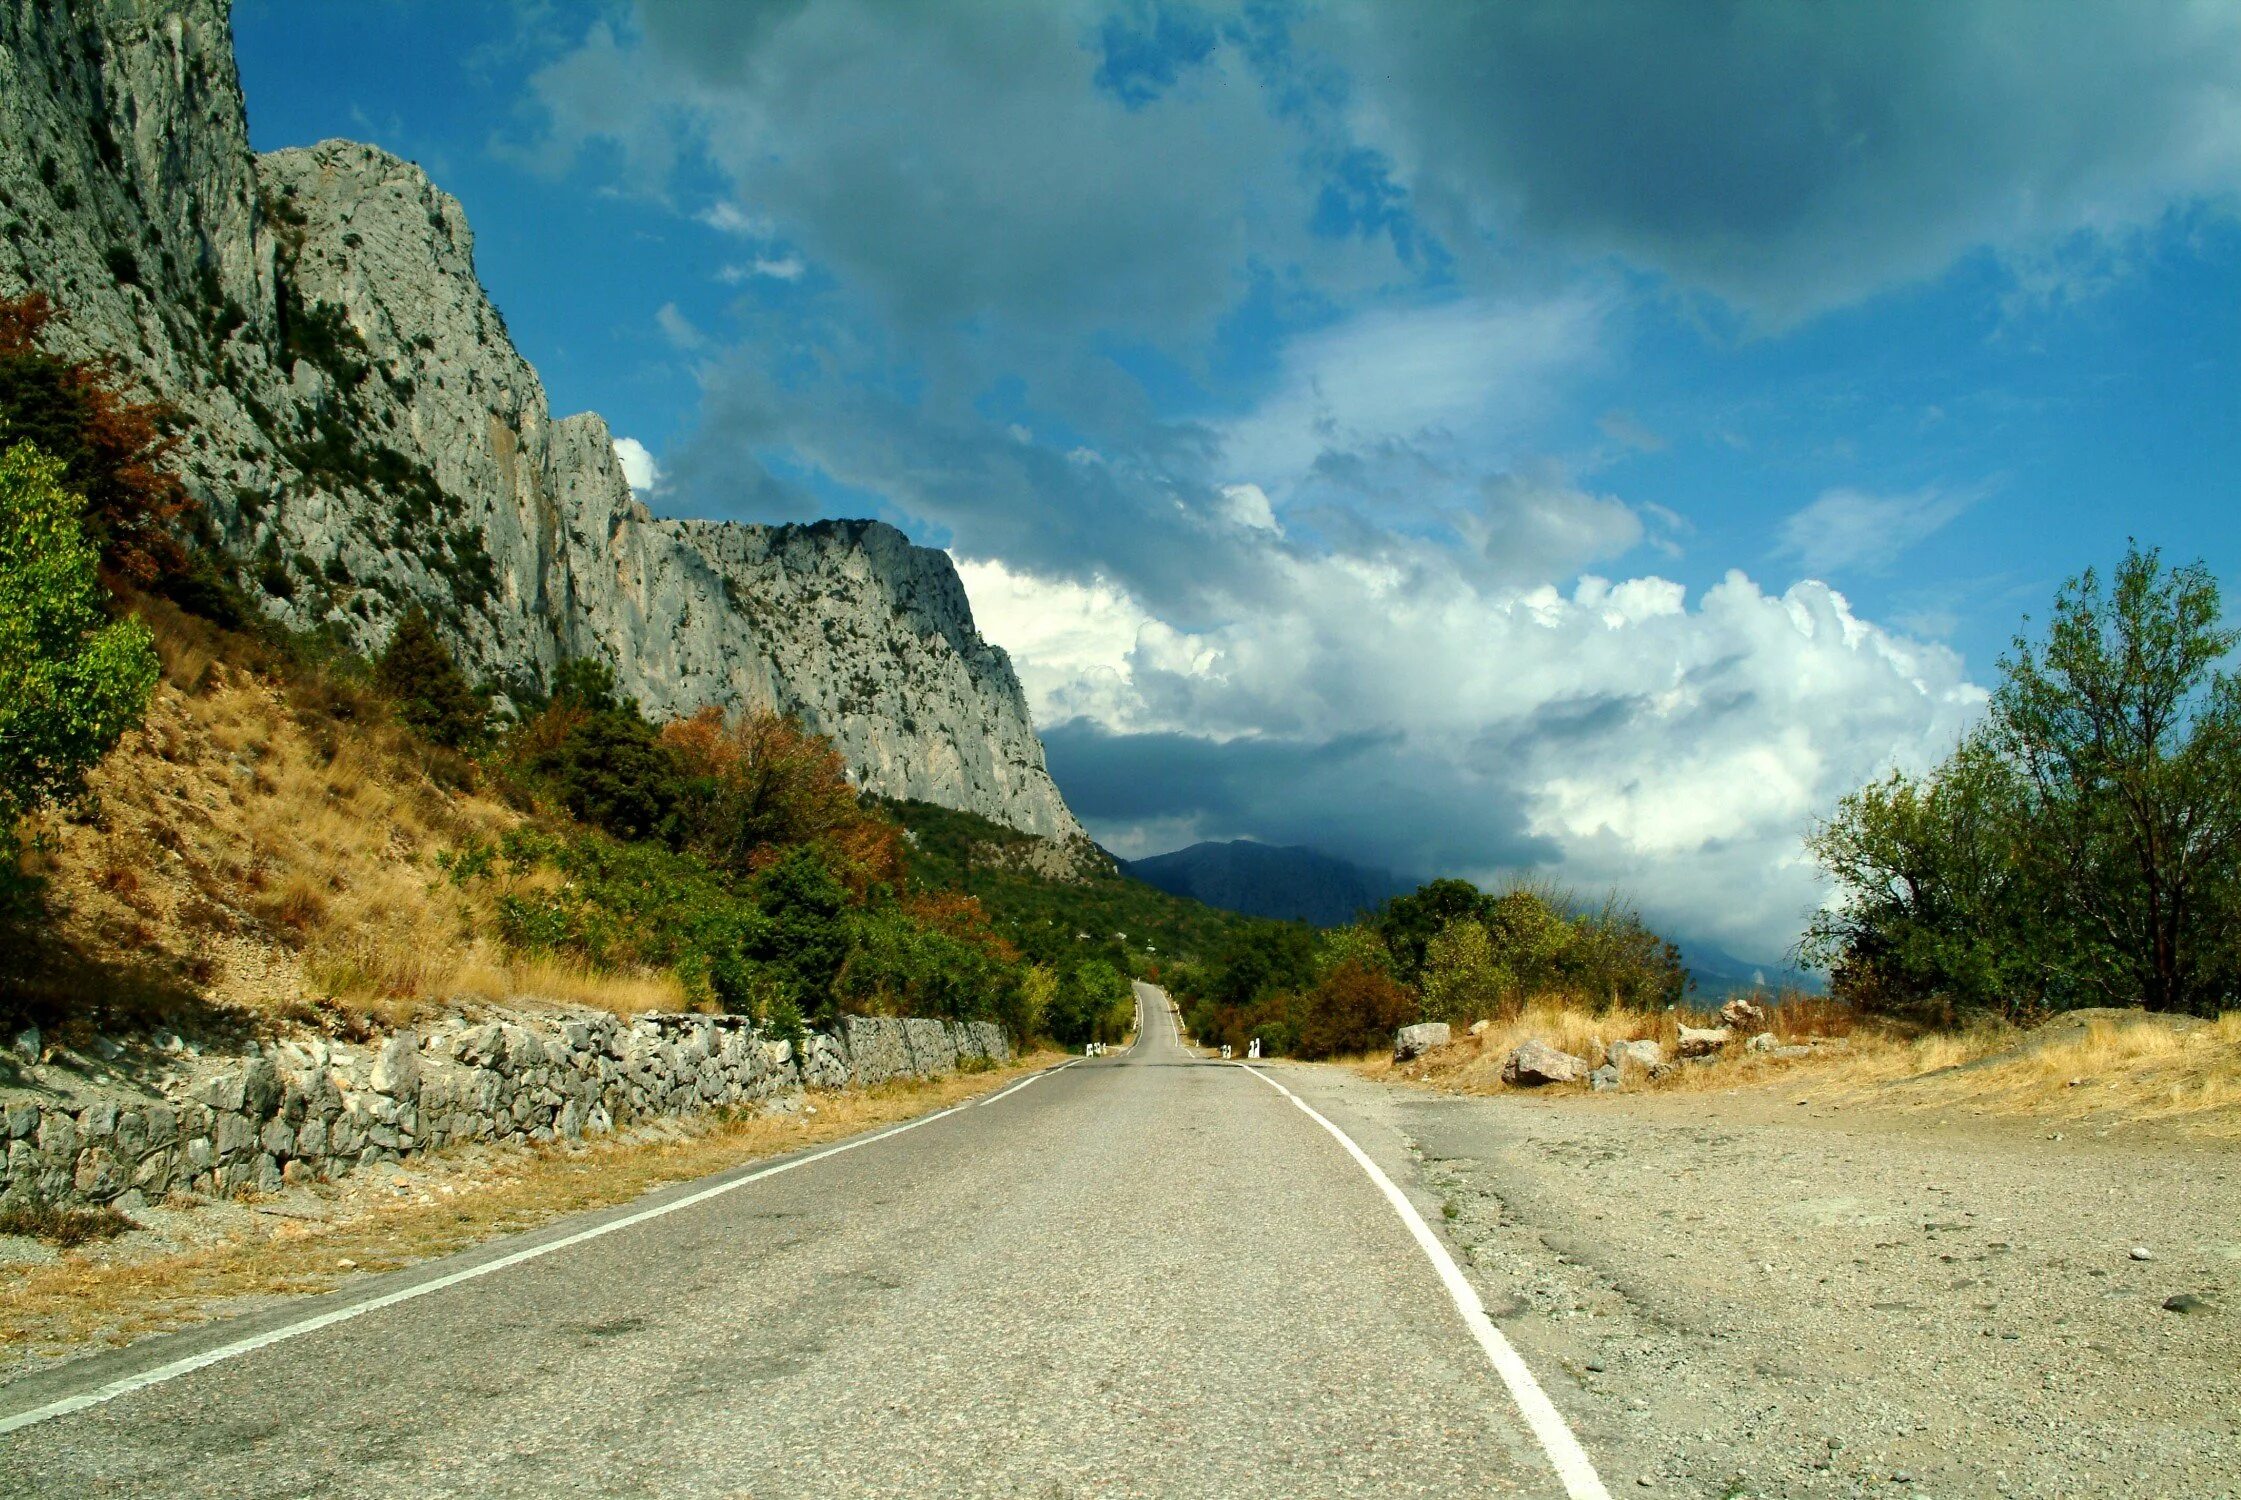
(1412, 1042)
(1744, 1014)
(296, 1111)
(1635, 1054)
(1533, 1063)
(364, 429)
(1699, 1041)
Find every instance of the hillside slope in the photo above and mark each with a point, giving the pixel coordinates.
(365, 433)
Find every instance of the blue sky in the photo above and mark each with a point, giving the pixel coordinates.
(1583, 439)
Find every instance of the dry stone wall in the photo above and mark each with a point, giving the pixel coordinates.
(301, 1110)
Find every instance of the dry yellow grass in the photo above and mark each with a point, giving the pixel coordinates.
(452, 1202)
(254, 847)
(2101, 1066)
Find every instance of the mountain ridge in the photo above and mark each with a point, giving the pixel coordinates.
(366, 437)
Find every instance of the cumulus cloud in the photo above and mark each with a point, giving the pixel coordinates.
(1847, 529)
(639, 468)
(1407, 714)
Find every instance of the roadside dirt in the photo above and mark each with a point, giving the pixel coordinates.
(1742, 1295)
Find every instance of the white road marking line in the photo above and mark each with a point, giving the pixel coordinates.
(1015, 1088)
(1563, 1449)
(125, 1385)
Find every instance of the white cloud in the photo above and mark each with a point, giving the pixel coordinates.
(779, 268)
(728, 218)
(1247, 505)
(1677, 752)
(679, 329)
(1850, 529)
(638, 466)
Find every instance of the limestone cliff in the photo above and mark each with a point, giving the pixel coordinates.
(367, 435)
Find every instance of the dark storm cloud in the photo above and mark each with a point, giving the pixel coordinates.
(1790, 157)
(1368, 797)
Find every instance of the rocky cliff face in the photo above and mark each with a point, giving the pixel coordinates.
(366, 433)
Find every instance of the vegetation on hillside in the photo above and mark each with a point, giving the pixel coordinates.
(1447, 951)
(2082, 847)
(71, 680)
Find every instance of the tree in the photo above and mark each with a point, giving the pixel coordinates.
(1409, 923)
(2128, 737)
(1355, 1007)
(610, 769)
(1092, 1005)
(764, 784)
(432, 695)
(71, 680)
(1935, 900)
(1462, 978)
(113, 453)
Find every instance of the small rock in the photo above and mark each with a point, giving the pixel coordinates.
(346, 1264)
(108, 1047)
(1646, 1482)
(2185, 1302)
(1762, 1042)
(1594, 1367)
(2142, 1252)
(1604, 1079)
(1703, 1041)
(26, 1044)
(1478, 1028)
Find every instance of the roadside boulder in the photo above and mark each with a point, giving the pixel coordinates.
(1636, 1054)
(1604, 1079)
(1532, 1064)
(1744, 1015)
(1414, 1041)
(1763, 1042)
(1701, 1041)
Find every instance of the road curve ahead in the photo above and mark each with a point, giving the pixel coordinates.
(1141, 1275)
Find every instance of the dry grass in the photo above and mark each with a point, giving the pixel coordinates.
(255, 844)
(2100, 1066)
(451, 1202)
(63, 1224)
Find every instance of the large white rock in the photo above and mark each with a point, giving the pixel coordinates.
(1412, 1042)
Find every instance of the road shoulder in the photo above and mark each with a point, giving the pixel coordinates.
(1729, 1302)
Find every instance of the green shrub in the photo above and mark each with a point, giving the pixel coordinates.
(71, 680)
(432, 695)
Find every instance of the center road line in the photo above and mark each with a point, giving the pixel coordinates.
(1563, 1449)
(126, 1385)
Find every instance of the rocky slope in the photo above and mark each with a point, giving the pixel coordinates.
(365, 433)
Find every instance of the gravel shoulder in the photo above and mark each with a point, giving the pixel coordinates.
(1745, 1296)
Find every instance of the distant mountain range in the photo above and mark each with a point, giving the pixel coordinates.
(1291, 884)
(1295, 884)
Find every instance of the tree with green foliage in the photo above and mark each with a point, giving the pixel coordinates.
(1093, 1003)
(1937, 906)
(2127, 735)
(1462, 978)
(72, 681)
(809, 935)
(1409, 923)
(2085, 846)
(433, 697)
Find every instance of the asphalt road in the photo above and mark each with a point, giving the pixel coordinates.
(1142, 1275)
